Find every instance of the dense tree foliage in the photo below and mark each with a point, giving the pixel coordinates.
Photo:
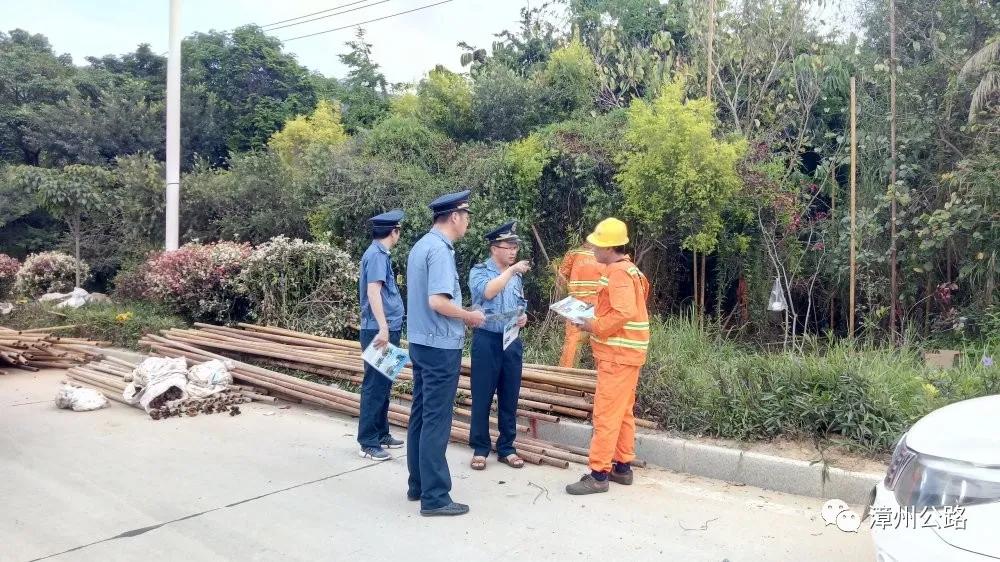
(587, 108)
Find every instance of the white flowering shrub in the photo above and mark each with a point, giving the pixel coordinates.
(306, 286)
(48, 272)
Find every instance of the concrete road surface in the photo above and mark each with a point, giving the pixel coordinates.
(287, 484)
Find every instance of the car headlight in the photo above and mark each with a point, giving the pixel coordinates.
(901, 457)
(924, 481)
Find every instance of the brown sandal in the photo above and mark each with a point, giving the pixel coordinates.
(512, 460)
(478, 463)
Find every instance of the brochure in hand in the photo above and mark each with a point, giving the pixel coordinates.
(511, 330)
(572, 309)
(389, 360)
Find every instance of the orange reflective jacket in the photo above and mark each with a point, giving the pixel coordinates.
(583, 273)
(621, 321)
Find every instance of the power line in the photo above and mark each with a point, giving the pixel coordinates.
(315, 13)
(327, 15)
(366, 22)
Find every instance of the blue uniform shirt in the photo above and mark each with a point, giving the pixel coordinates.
(430, 270)
(376, 266)
(507, 300)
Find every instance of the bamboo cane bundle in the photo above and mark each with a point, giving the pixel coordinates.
(34, 349)
(336, 399)
(338, 358)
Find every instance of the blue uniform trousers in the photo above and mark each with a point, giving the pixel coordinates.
(495, 370)
(435, 381)
(373, 423)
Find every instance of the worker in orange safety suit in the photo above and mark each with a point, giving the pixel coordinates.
(619, 339)
(581, 274)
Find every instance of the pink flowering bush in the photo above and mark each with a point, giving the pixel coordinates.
(195, 280)
(8, 274)
(49, 272)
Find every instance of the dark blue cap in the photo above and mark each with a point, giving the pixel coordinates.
(505, 233)
(451, 202)
(389, 219)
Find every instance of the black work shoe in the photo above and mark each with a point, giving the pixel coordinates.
(374, 453)
(448, 510)
(587, 485)
(390, 442)
(623, 478)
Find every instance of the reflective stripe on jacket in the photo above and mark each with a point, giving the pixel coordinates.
(621, 322)
(583, 273)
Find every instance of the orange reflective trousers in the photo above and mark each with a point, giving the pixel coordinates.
(614, 425)
(571, 345)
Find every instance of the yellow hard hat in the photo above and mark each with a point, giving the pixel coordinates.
(609, 233)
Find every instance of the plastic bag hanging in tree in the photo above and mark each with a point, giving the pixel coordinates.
(777, 302)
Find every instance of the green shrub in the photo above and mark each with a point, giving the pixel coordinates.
(304, 286)
(123, 324)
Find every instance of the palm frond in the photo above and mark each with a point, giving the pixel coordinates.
(988, 86)
(981, 61)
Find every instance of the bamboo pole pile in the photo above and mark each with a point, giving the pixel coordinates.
(547, 392)
(108, 377)
(36, 349)
(532, 450)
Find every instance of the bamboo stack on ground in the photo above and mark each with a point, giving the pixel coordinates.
(532, 450)
(546, 391)
(36, 349)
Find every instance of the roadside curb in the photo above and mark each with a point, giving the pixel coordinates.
(779, 474)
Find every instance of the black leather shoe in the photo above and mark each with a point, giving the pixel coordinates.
(448, 510)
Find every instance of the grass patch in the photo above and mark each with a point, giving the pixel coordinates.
(861, 397)
(123, 324)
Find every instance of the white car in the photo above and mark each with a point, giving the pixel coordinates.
(940, 498)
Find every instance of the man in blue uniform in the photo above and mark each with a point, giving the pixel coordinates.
(497, 289)
(435, 330)
(381, 323)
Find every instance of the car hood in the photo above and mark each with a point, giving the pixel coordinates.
(978, 532)
(966, 431)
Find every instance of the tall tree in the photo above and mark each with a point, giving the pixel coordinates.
(106, 116)
(31, 75)
(69, 194)
(893, 261)
(254, 85)
(365, 89)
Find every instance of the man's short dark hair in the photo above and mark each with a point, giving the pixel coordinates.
(380, 232)
(443, 217)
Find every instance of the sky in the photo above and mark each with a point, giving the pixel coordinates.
(406, 46)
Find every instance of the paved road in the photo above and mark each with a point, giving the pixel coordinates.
(286, 484)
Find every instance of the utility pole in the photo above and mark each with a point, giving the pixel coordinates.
(174, 128)
(700, 295)
(893, 269)
(854, 208)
